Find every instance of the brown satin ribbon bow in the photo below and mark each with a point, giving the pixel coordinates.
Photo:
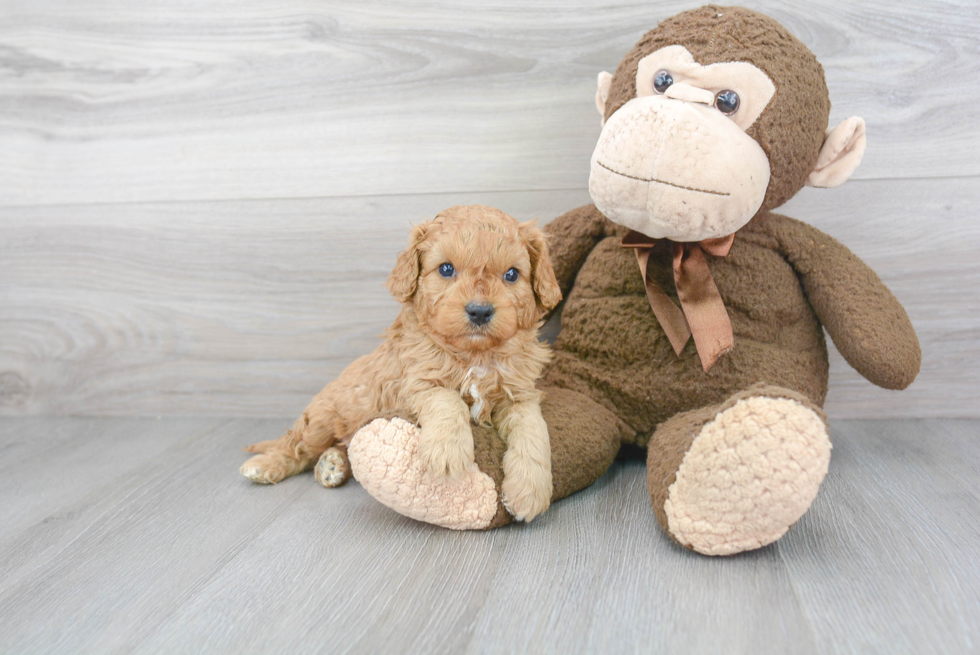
(702, 313)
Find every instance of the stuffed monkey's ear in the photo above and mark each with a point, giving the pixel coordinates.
(602, 93)
(404, 277)
(840, 155)
(543, 279)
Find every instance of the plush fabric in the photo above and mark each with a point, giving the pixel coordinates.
(735, 453)
(736, 476)
(748, 476)
(737, 74)
(781, 281)
(841, 153)
(384, 456)
(791, 129)
(622, 166)
(384, 460)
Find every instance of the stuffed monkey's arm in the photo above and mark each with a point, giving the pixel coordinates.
(868, 325)
(571, 237)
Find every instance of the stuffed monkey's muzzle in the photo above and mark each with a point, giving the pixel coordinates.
(677, 169)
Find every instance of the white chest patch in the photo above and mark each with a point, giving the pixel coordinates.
(477, 405)
(476, 400)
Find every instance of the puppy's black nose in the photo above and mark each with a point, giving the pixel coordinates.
(479, 313)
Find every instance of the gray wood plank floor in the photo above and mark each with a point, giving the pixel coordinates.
(138, 535)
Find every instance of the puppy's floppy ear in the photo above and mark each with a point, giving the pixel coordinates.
(543, 279)
(404, 277)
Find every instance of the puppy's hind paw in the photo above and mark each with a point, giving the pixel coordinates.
(262, 469)
(333, 468)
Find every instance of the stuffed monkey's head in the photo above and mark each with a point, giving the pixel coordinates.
(715, 114)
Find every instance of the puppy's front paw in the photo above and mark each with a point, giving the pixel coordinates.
(527, 486)
(446, 455)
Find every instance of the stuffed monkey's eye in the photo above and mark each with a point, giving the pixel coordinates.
(727, 102)
(512, 274)
(661, 81)
(447, 270)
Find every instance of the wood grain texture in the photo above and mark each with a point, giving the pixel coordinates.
(249, 308)
(902, 489)
(209, 100)
(199, 202)
(65, 457)
(177, 553)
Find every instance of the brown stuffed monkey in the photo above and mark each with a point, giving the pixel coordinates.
(693, 320)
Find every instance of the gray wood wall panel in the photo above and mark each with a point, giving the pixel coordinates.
(249, 307)
(199, 201)
(200, 100)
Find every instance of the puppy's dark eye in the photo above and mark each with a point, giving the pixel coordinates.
(727, 102)
(512, 274)
(662, 80)
(447, 270)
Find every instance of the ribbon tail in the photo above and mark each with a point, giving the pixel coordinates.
(703, 307)
(670, 315)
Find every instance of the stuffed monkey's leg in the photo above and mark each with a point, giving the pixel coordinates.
(584, 436)
(735, 476)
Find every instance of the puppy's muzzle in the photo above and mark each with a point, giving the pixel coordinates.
(479, 313)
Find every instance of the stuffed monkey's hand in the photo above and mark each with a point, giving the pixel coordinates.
(866, 322)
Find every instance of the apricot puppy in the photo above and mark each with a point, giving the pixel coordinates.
(474, 284)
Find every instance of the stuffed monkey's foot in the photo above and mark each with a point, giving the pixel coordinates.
(384, 457)
(748, 475)
(333, 467)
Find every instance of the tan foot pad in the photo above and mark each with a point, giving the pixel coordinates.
(331, 469)
(384, 459)
(750, 474)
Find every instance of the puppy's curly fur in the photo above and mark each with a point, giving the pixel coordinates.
(463, 348)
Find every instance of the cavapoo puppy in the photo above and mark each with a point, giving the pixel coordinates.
(474, 284)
